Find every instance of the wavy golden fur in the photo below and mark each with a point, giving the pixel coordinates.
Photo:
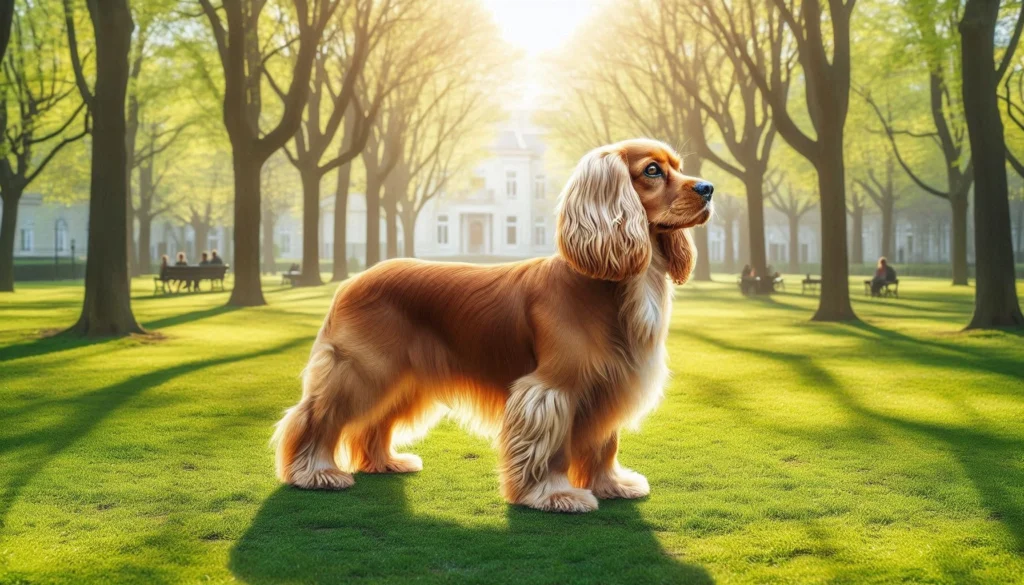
(555, 354)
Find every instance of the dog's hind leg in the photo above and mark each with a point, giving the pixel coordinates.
(307, 437)
(372, 450)
(534, 450)
(595, 466)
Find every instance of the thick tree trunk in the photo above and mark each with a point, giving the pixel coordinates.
(730, 255)
(310, 275)
(107, 308)
(267, 224)
(857, 241)
(8, 227)
(834, 304)
(340, 264)
(755, 237)
(409, 235)
(248, 290)
(958, 245)
(995, 302)
(372, 222)
(794, 244)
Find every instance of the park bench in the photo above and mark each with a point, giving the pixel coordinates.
(810, 284)
(748, 284)
(891, 289)
(290, 277)
(174, 276)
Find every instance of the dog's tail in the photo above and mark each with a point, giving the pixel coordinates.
(292, 435)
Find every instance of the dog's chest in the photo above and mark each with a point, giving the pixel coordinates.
(645, 311)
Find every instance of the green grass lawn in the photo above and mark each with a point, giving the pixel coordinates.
(890, 450)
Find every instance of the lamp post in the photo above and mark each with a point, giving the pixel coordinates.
(72, 258)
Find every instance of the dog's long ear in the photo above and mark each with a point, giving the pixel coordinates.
(602, 227)
(678, 248)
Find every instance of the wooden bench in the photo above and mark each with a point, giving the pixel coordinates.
(891, 289)
(175, 276)
(810, 284)
(290, 277)
(748, 285)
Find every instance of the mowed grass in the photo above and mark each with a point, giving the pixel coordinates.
(890, 450)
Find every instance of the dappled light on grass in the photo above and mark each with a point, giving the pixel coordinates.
(785, 450)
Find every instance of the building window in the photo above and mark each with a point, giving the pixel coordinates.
(539, 235)
(510, 230)
(538, 187)
(511, 189)
(286, 244)
(27, 240)
(442, 229)
(212, 242)
(62, 236)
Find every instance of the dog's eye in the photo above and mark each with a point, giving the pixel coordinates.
(652, 170)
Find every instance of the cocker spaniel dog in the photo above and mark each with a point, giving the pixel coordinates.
(553, 354)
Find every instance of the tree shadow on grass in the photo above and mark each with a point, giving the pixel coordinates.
(992, 463)
(368, 533)
(55, 343)
(33, 451)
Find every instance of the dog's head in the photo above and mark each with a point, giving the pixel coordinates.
(621, 198)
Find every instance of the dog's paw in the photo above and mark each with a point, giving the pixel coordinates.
(622, 483)
(398, 463)
(323, 479)
(569, 501)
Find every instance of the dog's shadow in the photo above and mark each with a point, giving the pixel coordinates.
(368, 533)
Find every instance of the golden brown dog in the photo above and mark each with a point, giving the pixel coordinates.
(555, 354)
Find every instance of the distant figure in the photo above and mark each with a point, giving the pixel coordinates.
(164, 263)
(214, 258)
(883, 274)
(205, 259)
(182, 261)
(748, 280)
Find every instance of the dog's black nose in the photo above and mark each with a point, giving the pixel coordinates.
(704, 189)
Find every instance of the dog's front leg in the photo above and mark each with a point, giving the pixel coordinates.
(534, 448)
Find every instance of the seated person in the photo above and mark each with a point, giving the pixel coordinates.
(182, 261)
(748, 279)
(164, 263)
(884, 274)
(215, 259)
(205, 259)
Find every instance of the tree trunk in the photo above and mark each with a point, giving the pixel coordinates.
(372, 222)
(744, 252)
(391, 226)
(888, 229)
(409, 235)
(107, 307)
(995, 302)
(958, 245)
(340, 267)
(201, 231)
(145, 239)
(730, 255)
(702, 270)
(857, 241)
(834, 304)
(794, 243)
(248, 290)
(755, 238)
(268, 222)
(310, 275)
(8, 227)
